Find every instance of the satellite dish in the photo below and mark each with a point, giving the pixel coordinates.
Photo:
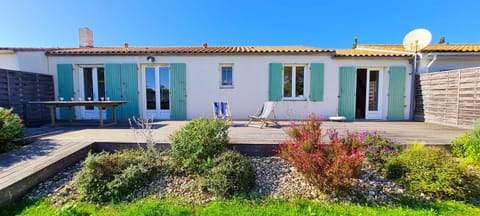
(417, 40)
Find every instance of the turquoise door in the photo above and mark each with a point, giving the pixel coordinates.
(396, 93)
(178, 92)
(347, 90)
(65, 86)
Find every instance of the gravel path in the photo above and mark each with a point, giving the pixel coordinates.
(274, 177)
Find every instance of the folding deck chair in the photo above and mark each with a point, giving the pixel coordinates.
(262, 117)
(221, 110)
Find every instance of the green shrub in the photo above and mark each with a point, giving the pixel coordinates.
(377, 149)
(112, 176)
(433, 172)
(328, 166)
(468, 145)
(232, 174)
(197, 143)
(11, 126)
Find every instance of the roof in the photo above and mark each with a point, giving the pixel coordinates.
(368, 53)
(187, 50)
(26, 49)
(429, 48)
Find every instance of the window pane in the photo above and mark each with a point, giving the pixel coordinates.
(287, 81)
(299, 74)
(150, 87)
(164, 88)
(101, 83)
(88, 86)
(227, 76)
(373, 91)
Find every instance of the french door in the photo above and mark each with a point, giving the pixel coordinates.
(373, 94)
(93, 89)
(157, 92)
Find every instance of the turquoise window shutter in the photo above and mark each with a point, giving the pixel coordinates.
(113, 88)
(129, 86)
(178, 96)
(347, 91)
(275, 82)
(316, 81)
(65, 86)
(396, 93)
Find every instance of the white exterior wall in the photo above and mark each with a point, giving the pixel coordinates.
(250, 80)
(28, 61)
(9, 61)
(449, 62)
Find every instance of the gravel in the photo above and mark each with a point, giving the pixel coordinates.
(274, 177)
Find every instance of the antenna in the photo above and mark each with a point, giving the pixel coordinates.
(417, 39)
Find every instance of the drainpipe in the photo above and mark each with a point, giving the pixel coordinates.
(412, 84)
(431, 62)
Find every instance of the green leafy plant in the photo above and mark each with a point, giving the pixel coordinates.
(467, 146)
(11, 127)
(112, 176)
(198, 142)
(329, 166)
(377, 149)
(231, 174)
(433, 172)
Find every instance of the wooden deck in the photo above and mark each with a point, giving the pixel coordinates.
(57, 148)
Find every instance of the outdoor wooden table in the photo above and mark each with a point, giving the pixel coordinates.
(99, 104)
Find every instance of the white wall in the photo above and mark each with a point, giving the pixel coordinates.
(449, 62)
(9, 61)
(28, 61)
(250, 77)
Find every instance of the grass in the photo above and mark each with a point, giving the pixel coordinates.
(237, 207)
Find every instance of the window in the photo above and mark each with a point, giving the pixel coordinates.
(226, 75)
(293, 81)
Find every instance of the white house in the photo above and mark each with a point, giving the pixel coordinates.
(369, 82)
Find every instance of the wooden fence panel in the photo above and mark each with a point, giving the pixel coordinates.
(449, 97)
(17, 88)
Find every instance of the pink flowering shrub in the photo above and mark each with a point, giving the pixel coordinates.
(327, 165)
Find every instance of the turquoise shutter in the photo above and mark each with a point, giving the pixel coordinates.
(121, 83)
(275, 82)
(347, 91)
(396, 93)
(65, 86)
(316, 81)
(129, 83)
(178, 92)
(113, 86)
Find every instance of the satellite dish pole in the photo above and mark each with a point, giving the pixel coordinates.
(415, 41)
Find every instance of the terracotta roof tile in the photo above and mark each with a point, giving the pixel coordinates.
(368, 53)
(187, 50)
(26, 49)
(429, 48)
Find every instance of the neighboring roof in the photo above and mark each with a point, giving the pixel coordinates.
(26, 49)
(368, 53)
(429, 48)
(187, 50)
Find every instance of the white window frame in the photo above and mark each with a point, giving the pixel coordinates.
(294, 81)
(220, 68)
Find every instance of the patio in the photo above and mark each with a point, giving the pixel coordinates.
(58, 147)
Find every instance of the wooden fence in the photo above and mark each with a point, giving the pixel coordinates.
(17, 88)
(449, 97)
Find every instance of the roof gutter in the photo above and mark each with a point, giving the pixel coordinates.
(387, 51)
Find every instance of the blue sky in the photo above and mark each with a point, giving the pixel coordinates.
(324, 24)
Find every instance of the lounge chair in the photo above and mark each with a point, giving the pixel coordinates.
(221, 110)
(262, 117)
